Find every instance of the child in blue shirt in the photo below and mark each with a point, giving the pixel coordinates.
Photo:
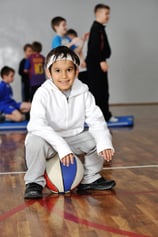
(59, 26)
(9, 108)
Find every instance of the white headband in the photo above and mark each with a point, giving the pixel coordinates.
(54, 59)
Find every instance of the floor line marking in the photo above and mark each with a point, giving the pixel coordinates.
(9, 173)
(104, 168)
(70, 217)
(130, 167)
(78, 220)
(15, 210)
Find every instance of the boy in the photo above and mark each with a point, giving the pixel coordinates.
(9, 108)
(59, 25)
(59, 109)
(34, 65)
(98, 52)
(72, 34)
(24, 76)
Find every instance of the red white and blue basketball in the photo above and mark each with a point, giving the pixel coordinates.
(63, 179)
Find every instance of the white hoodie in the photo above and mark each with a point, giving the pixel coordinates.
(53, 117)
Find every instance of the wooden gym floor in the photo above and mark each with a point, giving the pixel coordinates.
(130, 210)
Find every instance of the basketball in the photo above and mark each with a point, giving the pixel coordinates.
(60, 178)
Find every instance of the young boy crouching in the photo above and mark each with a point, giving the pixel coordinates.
(60, 108)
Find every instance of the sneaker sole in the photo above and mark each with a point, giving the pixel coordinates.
(32, 196)
(101, 188)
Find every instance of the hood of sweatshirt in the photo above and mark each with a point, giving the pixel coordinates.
(77, 88)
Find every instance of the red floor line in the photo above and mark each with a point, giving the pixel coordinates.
(78, 220)
(74, 195)
(15, 210)
(70, 217)
(87, 223)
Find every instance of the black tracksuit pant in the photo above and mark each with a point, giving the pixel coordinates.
(99, 87)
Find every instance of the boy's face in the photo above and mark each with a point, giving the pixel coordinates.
(28, 52)
(9, 78)
(71, 36)
(63, 74)
(104, 15)
(61, 29)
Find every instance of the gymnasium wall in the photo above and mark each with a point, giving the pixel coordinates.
(133, 34)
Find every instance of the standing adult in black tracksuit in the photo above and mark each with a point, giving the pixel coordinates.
(98, 52)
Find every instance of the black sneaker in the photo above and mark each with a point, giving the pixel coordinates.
(99, 184)
(33, 191)
(2, 118)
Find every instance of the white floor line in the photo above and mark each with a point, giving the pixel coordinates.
(105, 168)
(130, 167)
(18, 172)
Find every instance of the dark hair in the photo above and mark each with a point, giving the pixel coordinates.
(6, 70)
(64, 51)
(72, 32)
(101, 6)
(37, 46)
(56, 21)
(27, 46)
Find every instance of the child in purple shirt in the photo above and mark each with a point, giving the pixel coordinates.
(35, 67)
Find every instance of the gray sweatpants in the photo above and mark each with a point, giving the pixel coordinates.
(38, 151)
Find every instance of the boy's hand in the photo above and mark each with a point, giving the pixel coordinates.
(104, 66)
(85, 36)
(68, 159)
(77, 41)
(83, 64)
(107, 154)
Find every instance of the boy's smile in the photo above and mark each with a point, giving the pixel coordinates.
(63, 74)
(61, 29)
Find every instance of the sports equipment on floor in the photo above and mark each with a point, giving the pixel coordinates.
(60, 178)
(123, 121)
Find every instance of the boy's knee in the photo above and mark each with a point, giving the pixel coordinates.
(36, 144)
(34, 141)
(17, 116)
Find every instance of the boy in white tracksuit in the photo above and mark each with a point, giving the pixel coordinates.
(59, 110)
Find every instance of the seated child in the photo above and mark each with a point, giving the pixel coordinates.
(59, 110)
(9, 108)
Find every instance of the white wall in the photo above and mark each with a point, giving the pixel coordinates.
(133, 34)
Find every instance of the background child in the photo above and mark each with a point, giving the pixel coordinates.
(34, 66)
(59, 25)
(79, 42)
(59, 110)
(98, 52)
(25, 87)
(9, 108)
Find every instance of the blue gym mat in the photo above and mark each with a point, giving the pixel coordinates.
(123, 121)
(13, 126)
